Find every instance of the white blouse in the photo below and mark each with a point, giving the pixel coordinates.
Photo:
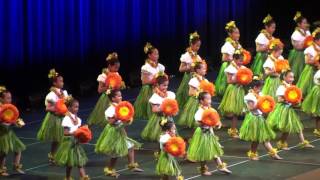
(251, 97)
(67, 122)
(194, 82)
(186, 58)
(52, 97)
(156, 99)
(311, 51)
(316, 78)
(262, 39)
(164, 139)
(270, 64)
(153, 71)
(297, 36)
(227, 48)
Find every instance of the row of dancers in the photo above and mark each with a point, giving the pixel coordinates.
(193, 100)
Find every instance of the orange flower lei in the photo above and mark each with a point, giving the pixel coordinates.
(160, 93)
(268, 35)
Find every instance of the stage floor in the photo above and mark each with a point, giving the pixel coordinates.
(296, 163)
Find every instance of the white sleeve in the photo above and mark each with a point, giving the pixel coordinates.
(316, 78)
(250, 97)
(161, 67)
(164, 139)
(65, 93)
(66, 122)
(171, 95)
(146, 68)
(102, 78)
(194, 83)
(185, 58)
(198, 115)
(310, 51)
(262, 39)
(51, 97)
(296, 36)
(155, 99)
(231, 69)
(268, 64)
(280, 91)
(227, 48)
(110, 112)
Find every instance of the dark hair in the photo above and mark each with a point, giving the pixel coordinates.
(113, 61)
(285, 73)
(198, 65)
(166, 126)
(202, 95)
(269, 23)
(238, 56)
(113, 93)
(161, 79)
(256, 83)
(317, 36)
(70, 102)
(54, 79)
(300, 19)
(194, 40)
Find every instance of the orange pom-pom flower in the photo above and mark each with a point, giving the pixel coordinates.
(175, 146)
(83, 134)
(266, 104)
(308, 41)
(124, 111)
(246, 57)
(9, 113)
(244, 76)
(281, 65)
(210, 117)
(293, 95)
(169, 107)
(208, 87)
(114, 80)
(61, 108)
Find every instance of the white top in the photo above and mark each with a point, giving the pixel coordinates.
(251, 97)
(281, 90)
(231, 69)
(156, 99)
(186, 58)
(311, 51)
(102, 78)
(269, 63)
(194, 82)
(164, 139)
(67, 122)
(297, 36)
(148, 68)
(316, 78)
(262, 39)
(52, 97)
(227, 48)
(110, 113)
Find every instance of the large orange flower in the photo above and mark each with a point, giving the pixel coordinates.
(124, 111)
(169, 107)
(281, 65)
(208, 87)
(83, 134)
(266, 104)
(61, 108)
(308, 41)
(9, 113)
(175, 146)
(114, 80)
(210, 117)
(293, 95)
(244, 76)
(246, 57)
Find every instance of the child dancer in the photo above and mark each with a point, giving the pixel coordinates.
(152, 130)
(114, 141)
(284, 117)
(70, 153)
(9, 142)
(167, 165)
(232, 104)
(51, 129)
(186, 117)
(204, 144)
(254, 128)
(187, 59)
(262, 42)
(230, 46)
(311, 104)
(296, 55)
(312, 57)
(95, 117)
(148, 71)
(272, 80)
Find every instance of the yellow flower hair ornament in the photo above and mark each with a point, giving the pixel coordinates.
(297, 16)
(111, 56)
(147, 47)
(53, 74)
(267, 19)
(193, 36)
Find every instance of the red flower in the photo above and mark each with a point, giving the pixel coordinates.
(308, 41)
(114, 80)
(210, 117)
(208, 87)
(124, 111)
(281, 65)
(60, 107)
(9, 113)
(83, 134)
(169, 107)
(266, 104)
(244, 76)
(175, 146)
(293, 95)
(246, 57)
